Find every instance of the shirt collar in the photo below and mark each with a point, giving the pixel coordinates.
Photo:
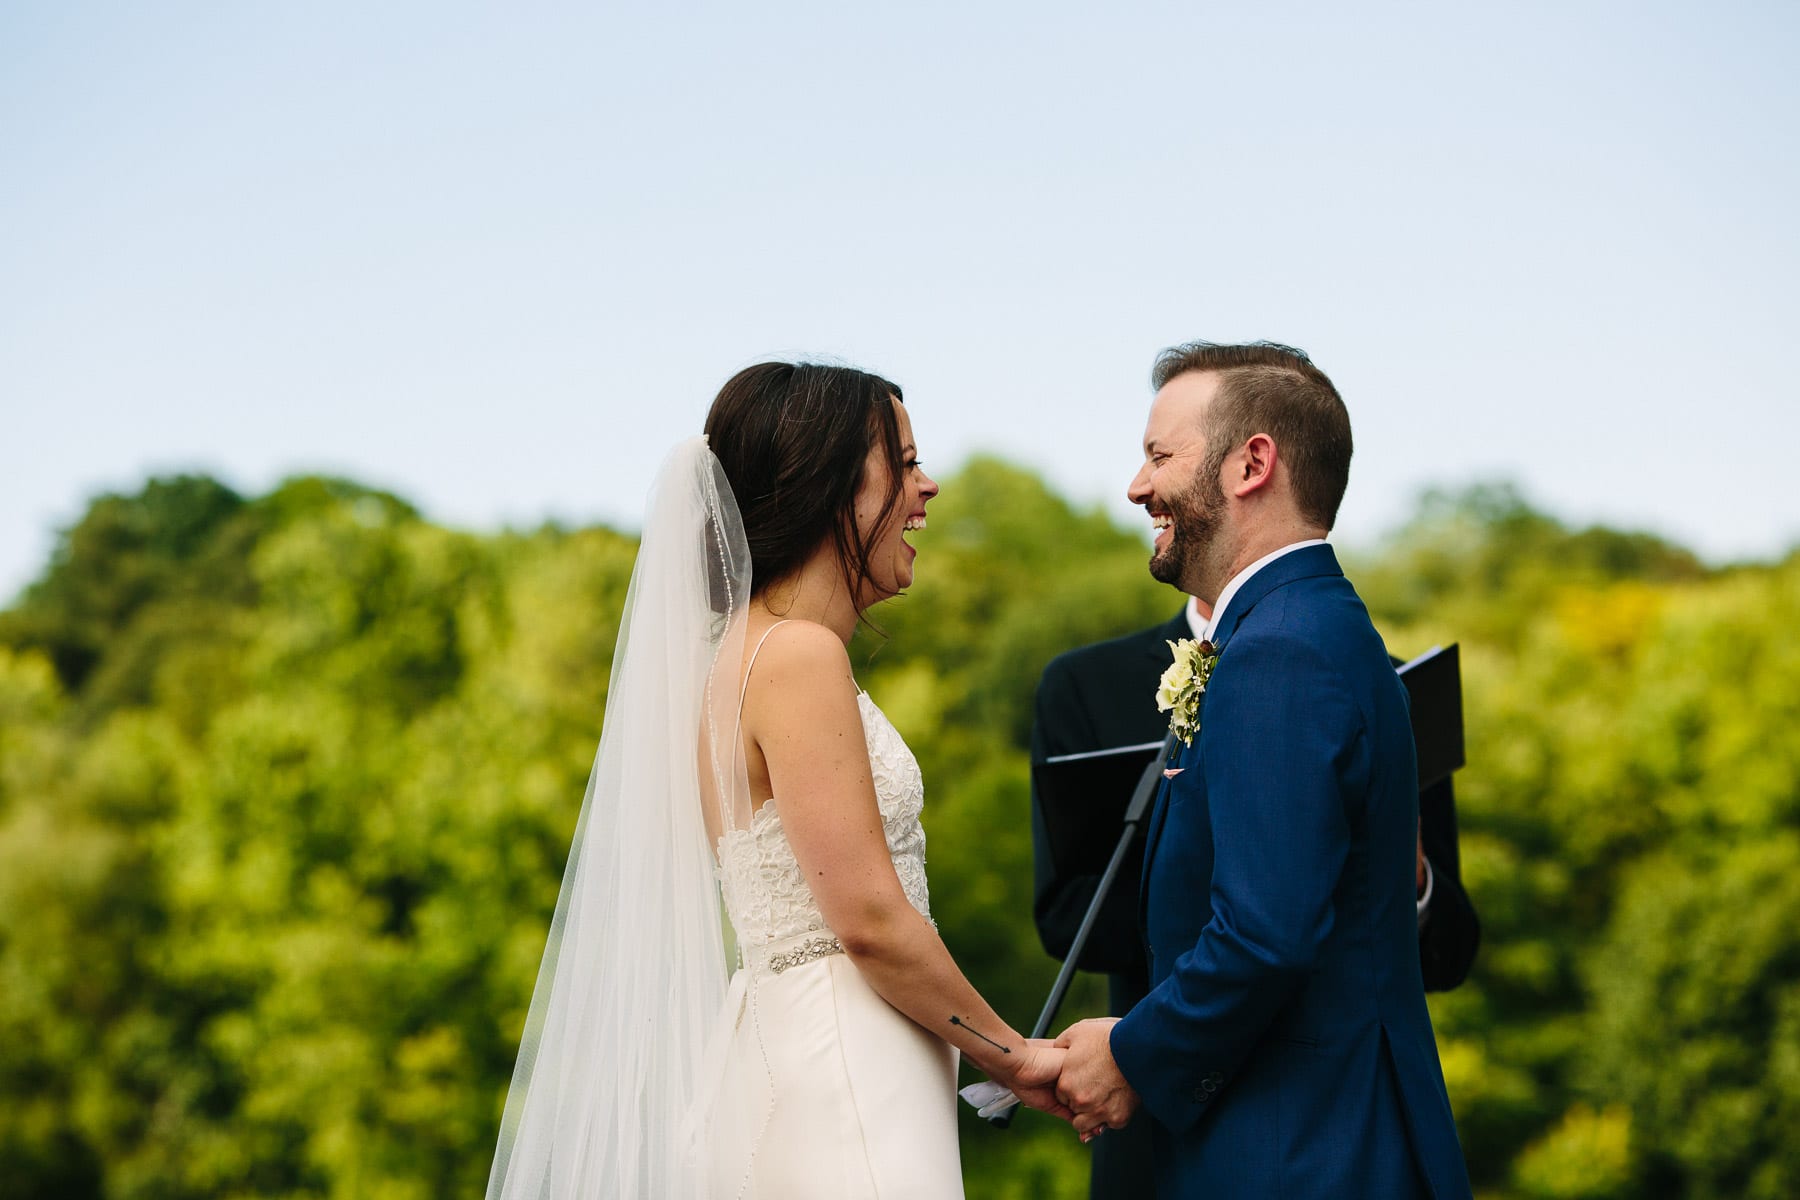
(1196, 622)
(1243, 577)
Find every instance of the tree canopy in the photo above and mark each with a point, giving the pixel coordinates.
(287, 783)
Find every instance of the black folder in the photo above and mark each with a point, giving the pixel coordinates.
(1434, 687)
(1083, 799)
(1083, 796)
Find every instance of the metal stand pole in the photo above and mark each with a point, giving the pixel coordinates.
(1135, 813)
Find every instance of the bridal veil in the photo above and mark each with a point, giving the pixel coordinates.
(613, 1055)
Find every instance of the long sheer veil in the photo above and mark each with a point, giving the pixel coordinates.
(612, 1056)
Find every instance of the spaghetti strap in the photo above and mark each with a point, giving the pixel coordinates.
(744, 688)
(737, 731)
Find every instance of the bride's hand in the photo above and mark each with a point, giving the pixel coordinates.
(1033, 1077)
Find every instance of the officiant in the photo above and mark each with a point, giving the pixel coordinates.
(1103, 696)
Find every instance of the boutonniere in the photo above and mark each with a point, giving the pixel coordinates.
(1182, 685)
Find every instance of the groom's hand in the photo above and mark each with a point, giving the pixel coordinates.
(1091, 1084)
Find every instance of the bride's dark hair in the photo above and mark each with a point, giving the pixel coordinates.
(794, 440)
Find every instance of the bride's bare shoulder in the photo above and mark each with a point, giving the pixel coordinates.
(798, 657)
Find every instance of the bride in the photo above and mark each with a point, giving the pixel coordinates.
(740, 762)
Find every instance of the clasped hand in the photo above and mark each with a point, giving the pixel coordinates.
(1090, 1085)
(1075, 1078)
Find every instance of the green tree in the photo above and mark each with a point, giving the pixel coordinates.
(1696, 1027)
(287, 783)
(125, 553)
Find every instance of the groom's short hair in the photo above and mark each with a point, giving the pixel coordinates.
(1265, 387)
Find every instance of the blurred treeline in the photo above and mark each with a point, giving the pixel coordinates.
(286, 784)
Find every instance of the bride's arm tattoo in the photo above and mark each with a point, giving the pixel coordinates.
(956, 1020)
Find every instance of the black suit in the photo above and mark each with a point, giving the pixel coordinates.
(1100, 696)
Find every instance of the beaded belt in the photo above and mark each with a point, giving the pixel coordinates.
(818, 946)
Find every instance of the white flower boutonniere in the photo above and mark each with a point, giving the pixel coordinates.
(1183, 684)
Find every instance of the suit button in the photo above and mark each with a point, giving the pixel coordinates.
(1212, 1081)
(1200, 1096)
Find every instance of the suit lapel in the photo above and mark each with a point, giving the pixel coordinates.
(1172, 630)
(1157, 817)
(1156, 824)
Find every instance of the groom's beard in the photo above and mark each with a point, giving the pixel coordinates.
(1199, 514)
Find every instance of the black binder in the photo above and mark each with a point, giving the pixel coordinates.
(1434, 687)
(1083, 797)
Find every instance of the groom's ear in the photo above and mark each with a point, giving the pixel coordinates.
(1252, 468)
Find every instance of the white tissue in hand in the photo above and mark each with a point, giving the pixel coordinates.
(989, 1098)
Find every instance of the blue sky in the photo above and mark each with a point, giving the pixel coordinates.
(498, 258)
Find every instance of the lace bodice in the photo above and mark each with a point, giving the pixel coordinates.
(765, 893)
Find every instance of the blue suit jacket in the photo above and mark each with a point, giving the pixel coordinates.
(1285, 1048)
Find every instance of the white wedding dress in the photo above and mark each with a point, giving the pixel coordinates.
(827, 1090)
(642, 1071)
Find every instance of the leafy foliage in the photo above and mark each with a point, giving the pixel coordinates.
(287, 782)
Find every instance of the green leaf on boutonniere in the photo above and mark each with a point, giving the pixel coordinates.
(1182, 685)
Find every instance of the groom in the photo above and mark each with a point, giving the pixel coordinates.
(1284, 1048)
